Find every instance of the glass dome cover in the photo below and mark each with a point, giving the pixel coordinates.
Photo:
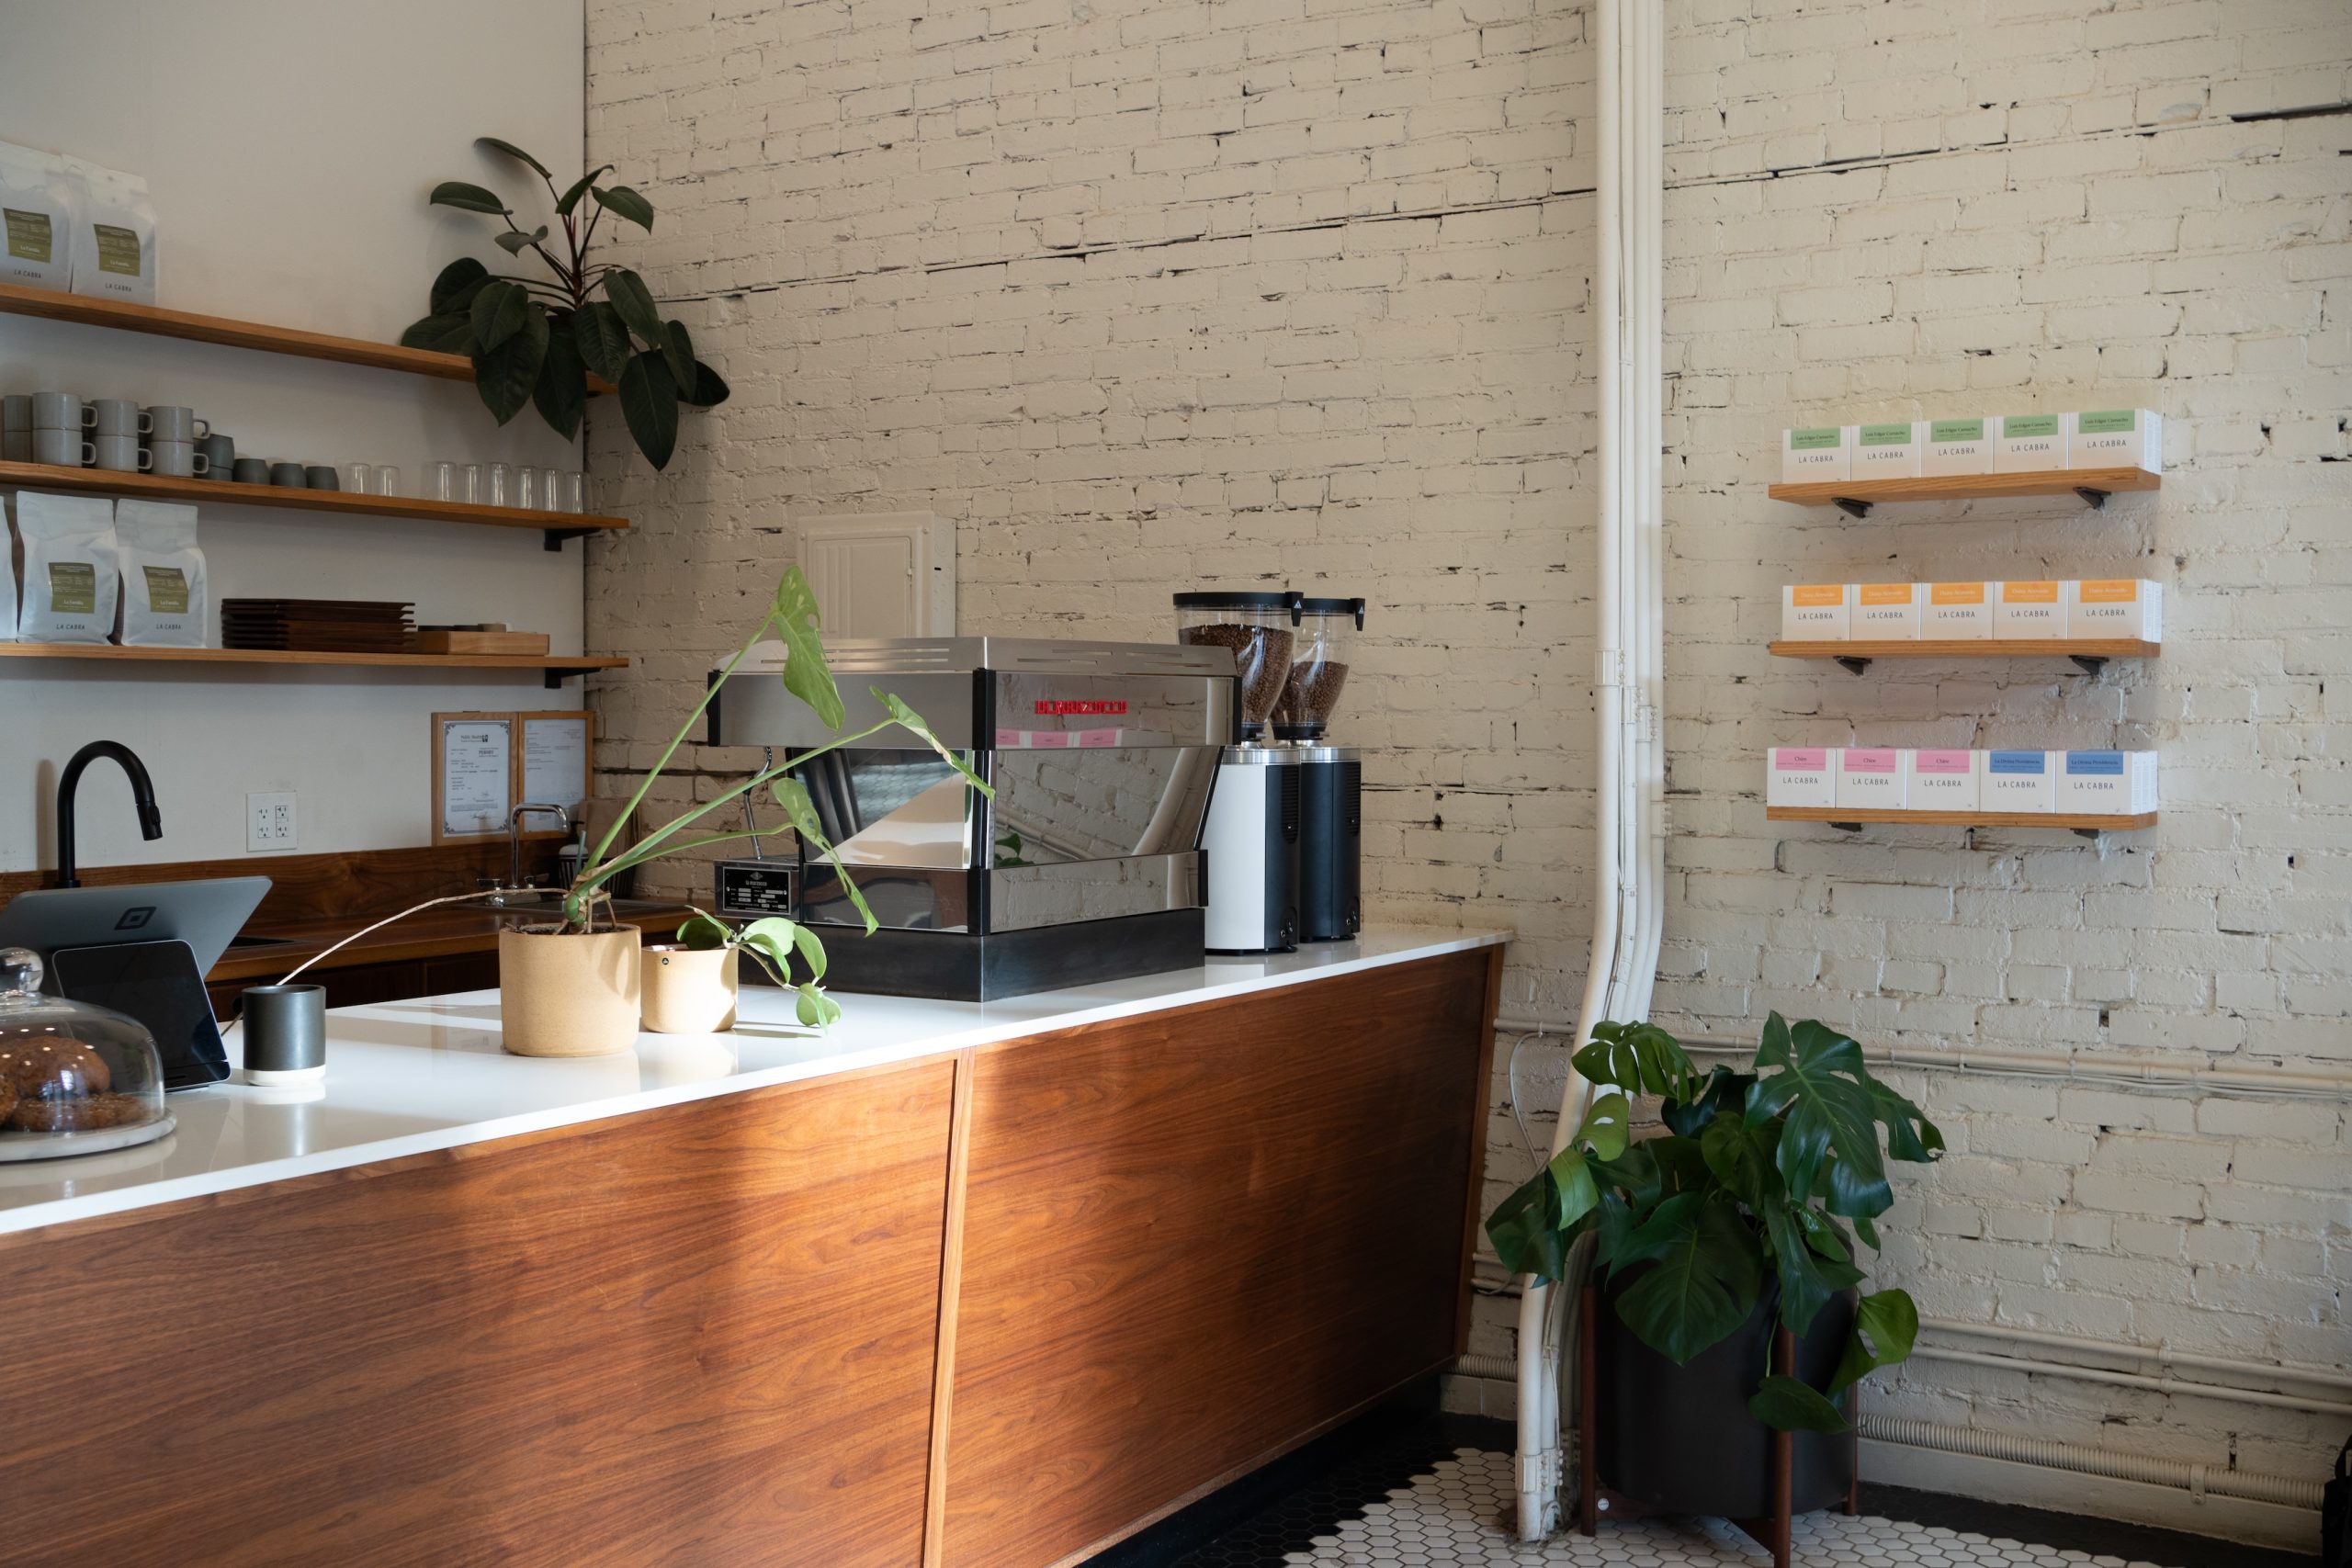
(73, 1078)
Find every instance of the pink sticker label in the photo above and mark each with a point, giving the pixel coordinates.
(1802, 759)
(1008, 737)
(1870, 759)
(1942, 762)
(1098, 738)
(1048, 739)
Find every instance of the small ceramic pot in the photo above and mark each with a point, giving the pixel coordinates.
(689, 990)
(568, 993)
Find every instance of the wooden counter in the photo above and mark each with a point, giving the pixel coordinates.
(1003, 1304)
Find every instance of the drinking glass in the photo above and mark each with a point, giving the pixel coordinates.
(551, 489)
(473, 488)
(526, 488)
(441, 482)
(502, 485)
(355, 478)
(574, 491)
(388, 479)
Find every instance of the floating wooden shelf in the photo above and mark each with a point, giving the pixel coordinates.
(1845, 816)
(156, 322)
(557, 526)
(1857, 496)
(2091, 653)
(556, 670)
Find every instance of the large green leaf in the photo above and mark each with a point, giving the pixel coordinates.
(1708, 1273)
(1572, 1179)
(603, 338)
(1910, 1137)
(1886, 1325)
(512, 150)
(778, 940)
(455, 288)
(1741, 1158)
(703, 932)
(798, 621)
(1526, 1232)
(498, 311)
(677, 348)
(1640, 1058)
(815, 1008)
(623, 202)
(468, 197)
(1813, 1076)
(451, 333)
(650, 405)
(507, 375)
(578, 188)
(635, 302)
(1723, 1090)
(562, 393)
(1789, 1404)
(514, 241)
(710, 388)
(1607, 1126)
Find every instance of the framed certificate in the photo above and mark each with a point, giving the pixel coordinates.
(473, 775)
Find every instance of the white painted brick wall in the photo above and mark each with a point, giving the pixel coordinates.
(1148, 295)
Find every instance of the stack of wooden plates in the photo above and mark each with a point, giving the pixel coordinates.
(318, 626)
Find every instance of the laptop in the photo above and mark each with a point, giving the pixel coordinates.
(204, 915)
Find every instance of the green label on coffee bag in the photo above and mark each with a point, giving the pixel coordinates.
(2114, 421)
(28, 236)
(117, 249)
(1956, 429)
(1816, 439)
(2029, 424)
(1886, 436)
(72, 588)
(166, 589)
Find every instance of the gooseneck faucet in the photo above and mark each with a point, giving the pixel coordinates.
(142, 796)
(514, 844)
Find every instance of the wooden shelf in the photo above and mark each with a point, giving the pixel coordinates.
(2091, 653)
(554, 669)
(1857, 496)
(557, 526)
(2080, 823)
(156, 322)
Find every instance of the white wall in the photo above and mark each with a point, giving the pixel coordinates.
(288, 148)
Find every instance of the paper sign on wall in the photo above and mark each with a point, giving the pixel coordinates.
(485, 764)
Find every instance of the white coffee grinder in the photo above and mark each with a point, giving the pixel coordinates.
(1250, 840)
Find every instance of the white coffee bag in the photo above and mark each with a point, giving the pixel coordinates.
(8, 585)
(113, 250)
(167, 601)
(66, 570)
(37, 205)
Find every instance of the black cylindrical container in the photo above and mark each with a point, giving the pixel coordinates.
(1331, 843)
(1681, 1440)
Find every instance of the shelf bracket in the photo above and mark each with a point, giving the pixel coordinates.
(1853, 665)
(554, 679)
(1863, 508)
(2087, 833)
(557, 538)
(2092, 663)
(2094, 499)
(1848, 827)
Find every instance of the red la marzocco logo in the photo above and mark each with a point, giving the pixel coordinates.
(1059, 706)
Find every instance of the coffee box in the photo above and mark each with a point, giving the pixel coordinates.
(2116, 438)
(2016, 781)
(2115, 783)
(1816, 612)
(1939, 780)
(1888, 451)
(1958, 612)
(1888, 611)
(2115, 607)
(1801, 775)
(2029, 610)
(1817, 451)
(2028, 442)
(1869, 778)
(1957, 446)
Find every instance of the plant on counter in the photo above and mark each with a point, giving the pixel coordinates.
(1771, 1173)
(533, 340)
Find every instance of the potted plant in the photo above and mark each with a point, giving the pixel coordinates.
(1739, 1218)
(691, 982)
(537, 340)
(573, 988)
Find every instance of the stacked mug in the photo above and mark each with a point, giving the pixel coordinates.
(60, 424)
(172, 438)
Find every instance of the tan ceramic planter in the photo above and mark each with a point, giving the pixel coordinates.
(689, 990)
(568, 994)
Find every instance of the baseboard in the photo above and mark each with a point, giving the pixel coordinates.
(2134, 1502)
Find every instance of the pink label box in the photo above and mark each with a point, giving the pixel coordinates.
(1869, 778)
(1939, 780)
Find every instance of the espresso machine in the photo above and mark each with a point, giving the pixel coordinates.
(1252, 835)
(1085, 865)
(1331, 846)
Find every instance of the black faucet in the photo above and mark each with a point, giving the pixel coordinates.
(142, 796)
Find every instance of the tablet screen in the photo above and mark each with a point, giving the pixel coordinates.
(156, 983)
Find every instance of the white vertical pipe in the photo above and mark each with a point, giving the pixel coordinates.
(1629, 797)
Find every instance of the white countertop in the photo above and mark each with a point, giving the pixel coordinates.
(409, 1078)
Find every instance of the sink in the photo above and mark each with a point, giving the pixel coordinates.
(241, 939)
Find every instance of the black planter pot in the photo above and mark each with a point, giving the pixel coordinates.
(1679, 1439)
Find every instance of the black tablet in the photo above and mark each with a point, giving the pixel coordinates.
(158, 984)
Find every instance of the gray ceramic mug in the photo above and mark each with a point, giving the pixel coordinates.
(120, 416)
(251, 470)
(285, 1031)
(321, 476)
(122, 454)
(173, 422)
(17, 428)
(288, 475)
(221, 451)
(60, 410)
(62, 448)
(178, 459)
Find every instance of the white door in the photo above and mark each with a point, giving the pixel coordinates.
(888, 574)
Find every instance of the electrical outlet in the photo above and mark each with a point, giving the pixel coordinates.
(270, 821)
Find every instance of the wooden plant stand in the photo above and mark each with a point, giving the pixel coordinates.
(1771, 1530)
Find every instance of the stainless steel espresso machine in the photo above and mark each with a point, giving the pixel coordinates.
(1086, 865)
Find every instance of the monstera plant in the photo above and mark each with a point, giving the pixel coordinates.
(537, 339)
(1772, 1174)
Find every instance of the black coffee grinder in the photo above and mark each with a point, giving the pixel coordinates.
(1331, 846)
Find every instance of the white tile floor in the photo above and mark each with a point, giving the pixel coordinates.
(1451, 1519)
